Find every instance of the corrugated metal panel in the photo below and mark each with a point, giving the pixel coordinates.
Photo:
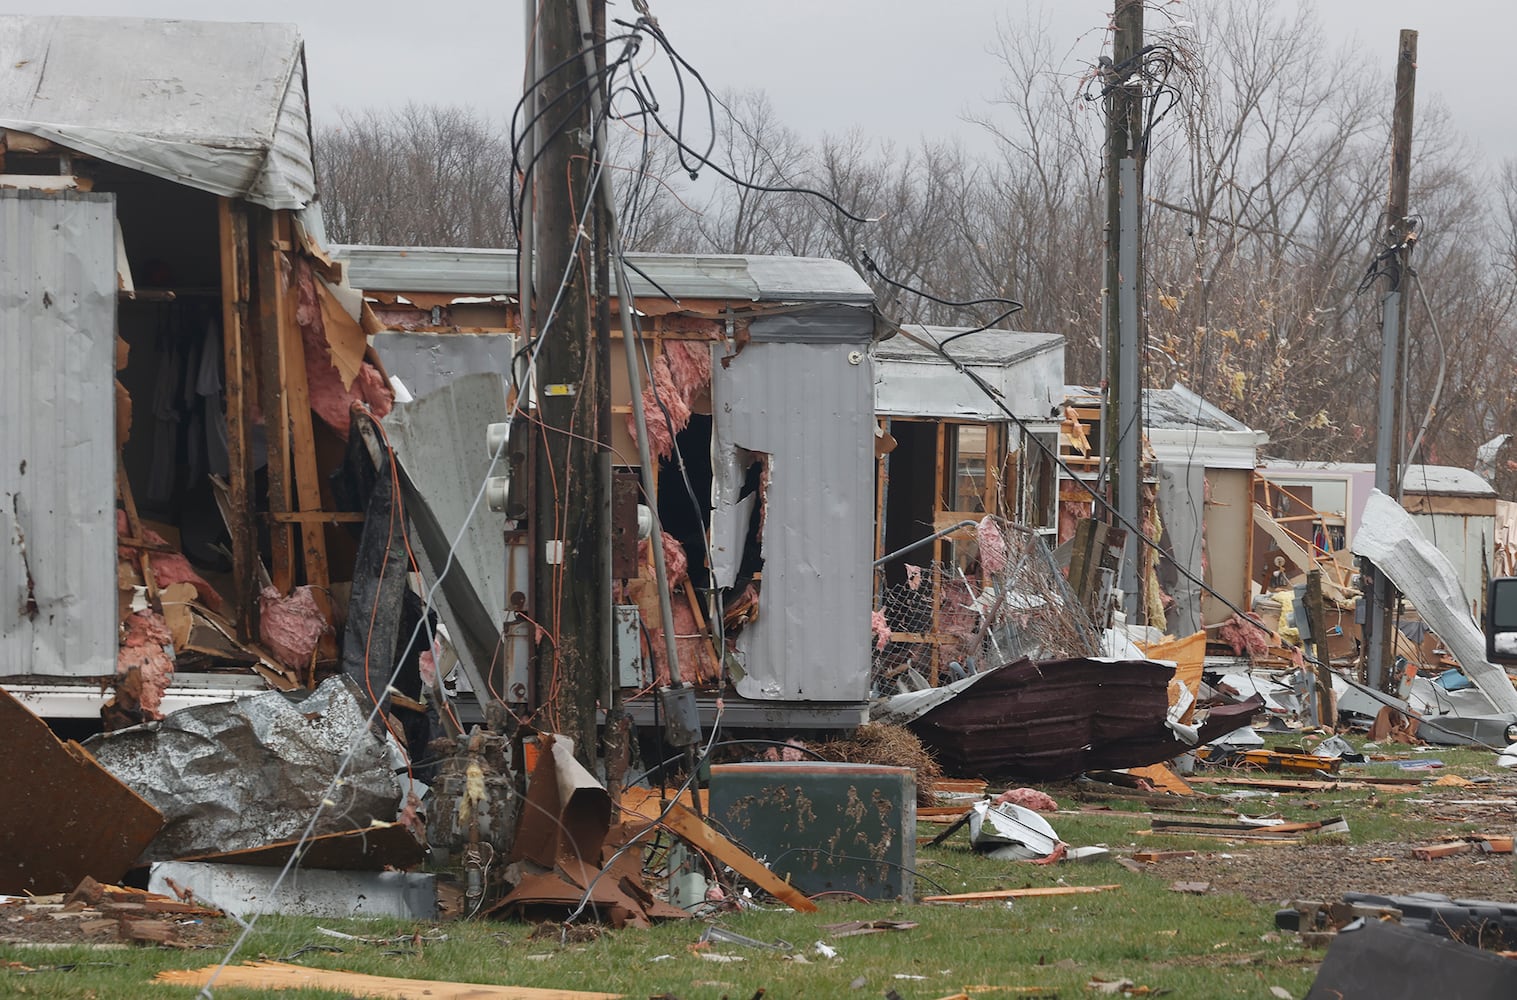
(809, 408)
(999, 347)
(711, 276)
(215, 106)
(58, 449)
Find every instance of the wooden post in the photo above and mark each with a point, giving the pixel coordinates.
(571, 584)
(313, 540)
(1316, 616)
(241, 381)
(1381, 650)
(271, 395)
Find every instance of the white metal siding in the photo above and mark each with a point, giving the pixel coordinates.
(57, 448)
(811, 411)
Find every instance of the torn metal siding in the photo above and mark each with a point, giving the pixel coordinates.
(215, 106)
(58, 449)
(808, 408)
(1389, 537)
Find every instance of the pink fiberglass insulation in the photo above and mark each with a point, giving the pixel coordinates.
(290, 626)
(1246, 639)
(1028, 798)
(880, 627)
(691, 646)
(143, 638)
(689, 366)
(676, 562)
(992, 546)
(681, 373)
(169, 568)
(329, 400)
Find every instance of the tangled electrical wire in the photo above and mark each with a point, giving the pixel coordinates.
(1387, 262)
(1151, 67)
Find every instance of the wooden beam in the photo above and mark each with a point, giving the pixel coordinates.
(691, 827)
(318, 517)
(280, 976)
(271, 394)
(239, 380)
(313, 537)
(997, 894)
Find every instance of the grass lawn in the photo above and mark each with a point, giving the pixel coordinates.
(1221, 944)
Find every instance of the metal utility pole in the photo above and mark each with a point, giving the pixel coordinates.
(1380, 651)
(1124, 265)
(571, 570)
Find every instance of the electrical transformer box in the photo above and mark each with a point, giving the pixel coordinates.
(824, 827)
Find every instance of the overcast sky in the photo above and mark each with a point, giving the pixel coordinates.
(896, 69)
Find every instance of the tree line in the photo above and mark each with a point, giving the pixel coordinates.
(1265, 181)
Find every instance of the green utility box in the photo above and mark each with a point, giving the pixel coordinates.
(845, 828)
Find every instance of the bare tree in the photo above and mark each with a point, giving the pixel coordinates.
(423, 175)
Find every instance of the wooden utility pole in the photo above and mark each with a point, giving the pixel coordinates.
(1400, 233)
(571, 488)
(1123, 85)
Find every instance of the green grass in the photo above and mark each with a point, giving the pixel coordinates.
(1218, 945)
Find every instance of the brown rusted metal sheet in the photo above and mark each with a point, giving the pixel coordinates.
(66, 816)
(1058, 718)
(372, 849)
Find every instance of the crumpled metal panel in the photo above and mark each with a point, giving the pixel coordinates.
(1390, 538)
(439, 441)
(216, 106)
(251, 772)
(1054, 719)
(58, 446)
(66, 817)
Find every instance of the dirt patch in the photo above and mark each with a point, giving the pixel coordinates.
(1325, 872)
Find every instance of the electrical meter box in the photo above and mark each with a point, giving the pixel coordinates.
(824, 827)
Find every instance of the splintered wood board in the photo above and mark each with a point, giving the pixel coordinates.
(995, 894)
(280, 976)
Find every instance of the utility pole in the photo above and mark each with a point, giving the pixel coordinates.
(571, 486)
(1124, 265)
(1380, 651)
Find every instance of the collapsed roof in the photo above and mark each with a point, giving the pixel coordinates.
(214, 106)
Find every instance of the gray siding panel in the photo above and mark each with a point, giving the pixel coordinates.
(57, 451)
(809, 408)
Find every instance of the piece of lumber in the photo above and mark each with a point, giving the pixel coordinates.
(240, 380)
(281, 976)
(1435, 851)
(313, 539)
(691, 827)
(951, 829)
(1036, 891)
(134, 525)
(1231, 838)
(272, 365)
(1161, 776)
(1489, 844)
(1149, 857)
(1299, 785)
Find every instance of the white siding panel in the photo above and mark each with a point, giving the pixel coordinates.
(57, 450)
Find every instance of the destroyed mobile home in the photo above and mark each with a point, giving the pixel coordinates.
(271, 516)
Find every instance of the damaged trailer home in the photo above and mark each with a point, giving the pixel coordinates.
(180, 367)
(759, 395)
(949, 458)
